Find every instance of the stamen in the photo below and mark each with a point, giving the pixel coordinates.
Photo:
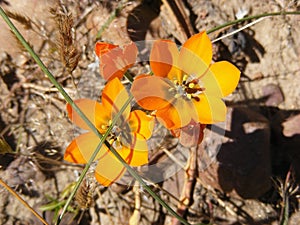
(177, 95)
(197, 99)
(103, 127)
(171, 89)
(185, 77)
(117, 145)
(189, 88)
(191, 85)
(111, 140)
(119, 139)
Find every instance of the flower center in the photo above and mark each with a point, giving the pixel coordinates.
(188, 89)
(118, 136)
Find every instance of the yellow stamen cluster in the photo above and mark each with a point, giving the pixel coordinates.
(105, 126)
(189, 88)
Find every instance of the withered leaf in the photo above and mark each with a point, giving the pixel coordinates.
(291, 126)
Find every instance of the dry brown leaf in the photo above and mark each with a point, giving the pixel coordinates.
(291, 127)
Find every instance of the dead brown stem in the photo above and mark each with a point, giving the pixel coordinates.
(186, 198)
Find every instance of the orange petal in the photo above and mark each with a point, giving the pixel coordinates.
(210, 109)
(163, 58)
(90, 108)
(130, 52)
(116, 61)
(221, 79)
(102, 48)
(141, 123)
(196, 55)
(82, 147)
(151, 92)
(114, 96)
(109, 169)
(177, 115)
(135, 154)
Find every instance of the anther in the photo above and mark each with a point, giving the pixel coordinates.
(197, 99)
(191, 85)
(185, 77)
(171, 89)
(111, 141)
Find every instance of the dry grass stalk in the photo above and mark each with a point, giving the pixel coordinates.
(69, 54)
(24, 20)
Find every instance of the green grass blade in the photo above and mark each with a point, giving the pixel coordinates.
(250, 18)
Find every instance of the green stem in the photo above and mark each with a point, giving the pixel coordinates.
(250, 18)
(91, 126)
(109, 21)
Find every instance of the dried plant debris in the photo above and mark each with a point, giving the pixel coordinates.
(24, 20)
(4, 146)
(84, 195)
(291, 126)
(69, 54)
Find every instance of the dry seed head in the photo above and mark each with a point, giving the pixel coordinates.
(84, 195)
(69, 54)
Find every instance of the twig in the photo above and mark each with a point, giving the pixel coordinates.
(179, 17)
(186, 198)
(136, 216)
(284, 215)
(110, 217)
(22, 201)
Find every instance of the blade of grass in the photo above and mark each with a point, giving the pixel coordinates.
(113, 15)
(90, 124)
(238, 30)
(250, 18)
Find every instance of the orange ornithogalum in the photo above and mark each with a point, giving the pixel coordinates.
(186, 86)
(115, 61)
(128, 136)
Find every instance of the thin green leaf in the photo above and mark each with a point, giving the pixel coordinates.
(52, 205)
(250, 18)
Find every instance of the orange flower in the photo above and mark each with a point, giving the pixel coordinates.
(128, 136)
(114, 61)
(186, 87)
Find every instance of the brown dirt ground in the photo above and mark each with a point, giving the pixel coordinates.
(34, 123)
